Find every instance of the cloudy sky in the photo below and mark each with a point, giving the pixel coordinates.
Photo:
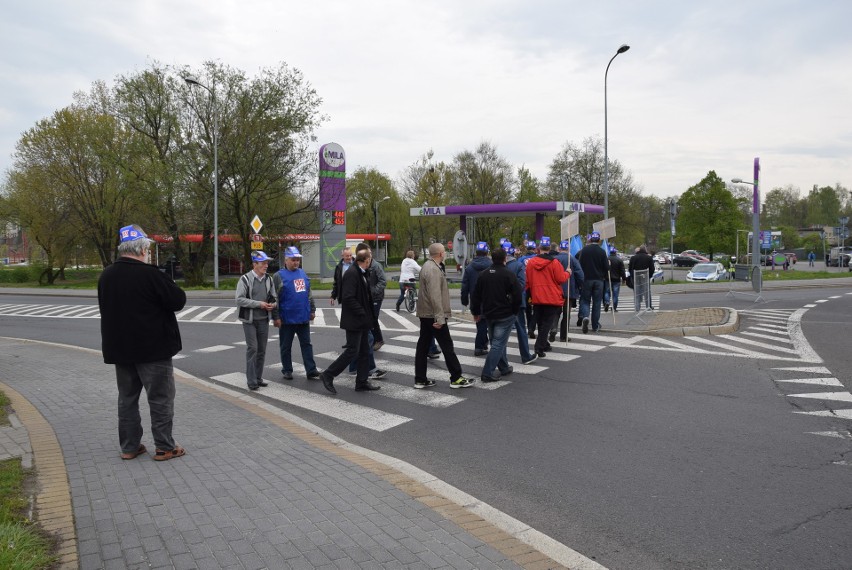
(704, 86)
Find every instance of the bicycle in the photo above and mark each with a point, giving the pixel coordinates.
(409, 295)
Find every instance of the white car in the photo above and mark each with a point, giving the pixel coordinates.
(707, 272)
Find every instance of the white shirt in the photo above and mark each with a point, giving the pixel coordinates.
(409, 270)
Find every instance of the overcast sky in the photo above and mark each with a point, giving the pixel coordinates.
(705, 85)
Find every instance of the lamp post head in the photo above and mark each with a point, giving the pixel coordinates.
(191, 80)
(385, 198)
(623, 48)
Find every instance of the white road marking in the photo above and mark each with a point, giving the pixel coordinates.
(757, 344)
(229, 313)
(761, 336)
(812, 369)
(840, 434)
(845, 414)
(186, 311)
(326, 405)
(215, 348)
(478, 360)
(822, 301)
(800, 343)
(513, 339)
(768, 331)
(319, 318)
(809, 306)
(830, 396)
(815, 381)
(199, 317)
(406, 324)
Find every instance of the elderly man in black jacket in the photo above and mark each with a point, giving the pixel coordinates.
(642, 261)
(140, 335)
(497, 296)
(356, 318)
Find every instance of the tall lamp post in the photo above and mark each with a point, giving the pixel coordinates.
(192, 80)
(622, 49)
(755, 218)
(376, 206)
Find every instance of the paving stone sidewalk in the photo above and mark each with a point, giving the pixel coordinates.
(254, 490)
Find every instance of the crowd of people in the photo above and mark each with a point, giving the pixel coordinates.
(530, 290)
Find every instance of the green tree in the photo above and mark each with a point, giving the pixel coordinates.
(266, 128)
(709, 215)
(364, 188)
(783, 207)
(824, 206)
(31, 201)
(580, 170)
(483, 177)
(82, 152)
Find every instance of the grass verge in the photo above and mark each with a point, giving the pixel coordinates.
(23, 546)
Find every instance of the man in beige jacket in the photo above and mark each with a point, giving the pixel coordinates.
(433, 310)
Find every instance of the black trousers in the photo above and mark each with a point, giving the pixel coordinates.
(545, 316)
(357, 344)
(442, 336)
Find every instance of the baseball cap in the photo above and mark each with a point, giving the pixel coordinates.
(594, 236)
(129, 233)
(612, 250)
(544, 241)
(531, 244)
(259, 256)
(481, 246)
(564, 244)
(507, 245)
(292, 251)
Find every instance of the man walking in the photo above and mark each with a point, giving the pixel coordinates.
(545, 276)
(497, 295)
(140, 335)
(293, 314)
(520, 273)
(433, 310)
(356, 318)
(341, 267)
(616, 276)
(570, 291)
(256, 298)
(529, 253)
(480, 263)
(595, 264)
(377, 281)
(642, 261)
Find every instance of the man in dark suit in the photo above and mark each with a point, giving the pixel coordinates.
(356, 318)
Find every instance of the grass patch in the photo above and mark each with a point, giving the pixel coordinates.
(23, 546)
(4, 413)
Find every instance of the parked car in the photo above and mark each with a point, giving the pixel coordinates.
(707, 272)
(688, 260)
(663, 257)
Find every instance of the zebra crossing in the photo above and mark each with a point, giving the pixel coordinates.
(764, 334)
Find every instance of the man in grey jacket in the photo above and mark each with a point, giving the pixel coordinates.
(433, 310)
(256, 298)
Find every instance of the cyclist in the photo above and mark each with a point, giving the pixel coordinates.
(409, 271)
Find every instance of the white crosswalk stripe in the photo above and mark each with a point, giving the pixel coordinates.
(357, 414)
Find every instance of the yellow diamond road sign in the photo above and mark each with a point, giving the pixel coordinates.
(256, 224)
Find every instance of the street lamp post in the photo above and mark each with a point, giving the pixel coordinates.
(376, 205)
(192, 80)
(622, 49)
(755, 221)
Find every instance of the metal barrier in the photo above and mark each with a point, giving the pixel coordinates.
(641, 294)
(748, 273)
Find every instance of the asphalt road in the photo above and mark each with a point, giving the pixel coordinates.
(637, 452)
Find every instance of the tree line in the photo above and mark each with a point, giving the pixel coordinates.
(141, 150)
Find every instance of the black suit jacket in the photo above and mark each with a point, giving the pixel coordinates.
(356, 301)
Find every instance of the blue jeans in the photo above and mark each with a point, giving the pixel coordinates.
(591, 298)
(616, 288)
(498, 330)
(285, 346)
(523, 339)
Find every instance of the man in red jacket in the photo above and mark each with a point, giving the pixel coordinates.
(545, 276)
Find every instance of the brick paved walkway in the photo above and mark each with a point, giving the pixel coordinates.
(255, 489)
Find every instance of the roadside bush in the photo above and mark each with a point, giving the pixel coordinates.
(16, 274)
